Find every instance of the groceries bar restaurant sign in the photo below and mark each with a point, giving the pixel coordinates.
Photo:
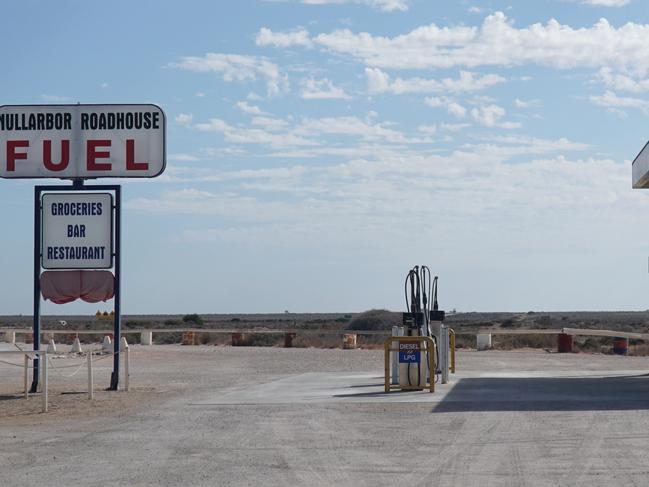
(77, 227)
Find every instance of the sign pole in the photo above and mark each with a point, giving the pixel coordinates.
(114, 380)
(37, 285)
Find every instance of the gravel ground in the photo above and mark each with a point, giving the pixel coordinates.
(170, 430)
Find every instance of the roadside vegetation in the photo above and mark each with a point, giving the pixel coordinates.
(255, 327)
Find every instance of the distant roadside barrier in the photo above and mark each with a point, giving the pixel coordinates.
(241, 336)
(564, 337)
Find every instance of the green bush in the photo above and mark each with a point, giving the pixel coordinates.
(193, 318)
(376, 319)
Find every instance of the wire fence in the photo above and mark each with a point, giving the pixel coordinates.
(48, 366)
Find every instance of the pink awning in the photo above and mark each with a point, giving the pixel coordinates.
(62, 287)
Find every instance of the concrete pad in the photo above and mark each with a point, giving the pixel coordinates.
(11, 347)
(327, 425)
(477, 391)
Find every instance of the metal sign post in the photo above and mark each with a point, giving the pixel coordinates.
(37, 284)
(116, 256)
(117, 325)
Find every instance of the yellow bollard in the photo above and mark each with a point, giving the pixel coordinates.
(451, 333)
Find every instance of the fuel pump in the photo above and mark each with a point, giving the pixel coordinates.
(440, 333)
(422, 318)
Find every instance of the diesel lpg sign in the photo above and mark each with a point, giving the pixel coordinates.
(77, 231)
(81, 141)
(409, 353)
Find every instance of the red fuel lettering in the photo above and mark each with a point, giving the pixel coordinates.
(47, 155)
(131, 165)
(12, 155)
(92, 154)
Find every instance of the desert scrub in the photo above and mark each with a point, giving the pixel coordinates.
(376, 319)
(193, 318)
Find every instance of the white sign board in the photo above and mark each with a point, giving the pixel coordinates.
(640, 169)
(77, 231)
(82, 141)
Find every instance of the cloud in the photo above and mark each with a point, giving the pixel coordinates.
(518, 103)
(241, 135)
(427, 129)
(198, 202)
(622, 82)
(270, 123)
(266, 37)
(606, 3)
(449, 104)
(56, 99)
(456, 109)
(245, 107)
(385, 5)
(284, 134)
(184, 119)
(183, 157)
(354, 127)
(490, 116)
(516, 145)
(453, 127)
(379, 82)
(367, 202)
(497, 42)
(235, 67)
(358, 150)
(615, 103)
(322, 89)
(349, 196)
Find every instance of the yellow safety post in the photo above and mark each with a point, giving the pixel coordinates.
(432, 366)
(431, 363)
(386, 374)
(451, 334)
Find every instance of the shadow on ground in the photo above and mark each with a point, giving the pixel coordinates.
(620, 393)
(11, 397)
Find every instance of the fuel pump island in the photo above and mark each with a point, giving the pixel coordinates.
(422, 351)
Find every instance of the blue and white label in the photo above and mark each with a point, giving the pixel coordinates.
(77, 231)
(409, 353)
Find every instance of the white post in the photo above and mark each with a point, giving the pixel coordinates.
(127, 373)
(146, 338)
(43, 357)
(26, 376)
(10, 336)
(91, 392)
(76, 346)
(107, 345)
(483, 341)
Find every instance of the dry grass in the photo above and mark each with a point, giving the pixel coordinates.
(377, 320)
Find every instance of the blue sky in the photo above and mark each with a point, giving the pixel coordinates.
(318, 149)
